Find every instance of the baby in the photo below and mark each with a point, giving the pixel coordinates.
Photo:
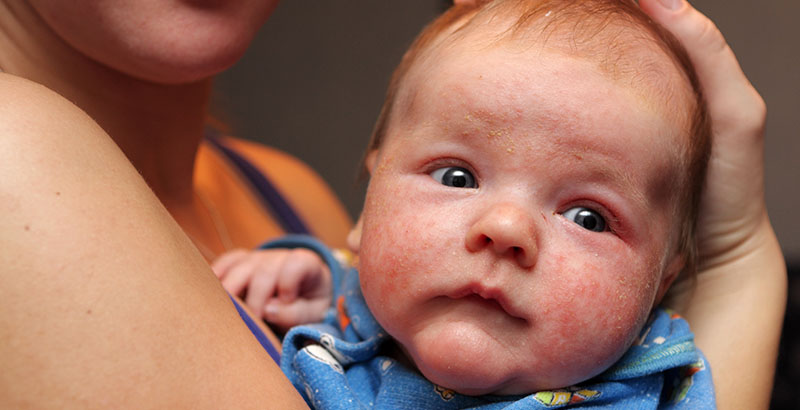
(534, 179)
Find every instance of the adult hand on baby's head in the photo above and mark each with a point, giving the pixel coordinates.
(732, 208)
(285, 287)
(736, 308)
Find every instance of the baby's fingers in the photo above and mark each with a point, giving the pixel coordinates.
(228, 260)
(301, 311)
(238, 276)
(262, 288)
(305, 275)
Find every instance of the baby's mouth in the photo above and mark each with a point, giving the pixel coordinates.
(490, 299)
(488, 303)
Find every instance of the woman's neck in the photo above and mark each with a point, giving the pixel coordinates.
(158, 126)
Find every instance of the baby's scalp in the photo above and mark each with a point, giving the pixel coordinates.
(617, 36)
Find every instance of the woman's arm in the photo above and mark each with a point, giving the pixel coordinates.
(106, 304)
(736, 309)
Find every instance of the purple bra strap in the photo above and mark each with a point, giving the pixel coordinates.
(270, 196)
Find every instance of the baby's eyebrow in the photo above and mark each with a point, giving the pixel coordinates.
(660, 179)
(657, 187)
(617, 177)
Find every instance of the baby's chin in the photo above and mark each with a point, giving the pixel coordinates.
(476, 380)
(473, 371)
(473, 368)
(479, 381)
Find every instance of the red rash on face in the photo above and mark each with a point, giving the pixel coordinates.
(496, 271)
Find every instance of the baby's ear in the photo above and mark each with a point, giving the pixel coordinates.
(369, 160)
(354, 237)
(673, 269)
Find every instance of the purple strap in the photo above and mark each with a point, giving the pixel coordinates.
(269, 195)
(260, 336)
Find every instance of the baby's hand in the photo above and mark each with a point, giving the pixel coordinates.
(286, 287)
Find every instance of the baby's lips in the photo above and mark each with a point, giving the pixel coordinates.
(491, 294)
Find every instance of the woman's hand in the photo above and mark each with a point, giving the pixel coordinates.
(733, 207)
(285, 287)
(736, 308)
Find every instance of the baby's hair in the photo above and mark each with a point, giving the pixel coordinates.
(614, 34)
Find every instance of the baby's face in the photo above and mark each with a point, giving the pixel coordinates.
(519, 219)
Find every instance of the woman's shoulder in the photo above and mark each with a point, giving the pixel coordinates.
(29, 109)
(22, 89)
(27, 98)
(98, 279)
(39, 131)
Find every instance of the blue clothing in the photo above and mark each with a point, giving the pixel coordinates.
(336, 364)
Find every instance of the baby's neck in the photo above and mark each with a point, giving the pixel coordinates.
(395, 351)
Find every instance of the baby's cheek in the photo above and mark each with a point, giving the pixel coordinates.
(392, 264)
(591, 301)
(380, 265)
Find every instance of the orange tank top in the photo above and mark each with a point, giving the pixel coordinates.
(254, 193)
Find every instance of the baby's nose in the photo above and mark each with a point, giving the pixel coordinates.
(508, 231)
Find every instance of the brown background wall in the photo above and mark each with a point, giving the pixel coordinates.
(313, 82)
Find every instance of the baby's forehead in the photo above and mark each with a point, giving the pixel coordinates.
(439, 75)
(617, 48)
(624, 49)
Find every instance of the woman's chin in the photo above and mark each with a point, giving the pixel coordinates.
(180, 67)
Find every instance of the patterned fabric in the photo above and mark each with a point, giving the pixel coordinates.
(336, 364)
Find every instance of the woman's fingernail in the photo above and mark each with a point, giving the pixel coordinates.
(671, 4)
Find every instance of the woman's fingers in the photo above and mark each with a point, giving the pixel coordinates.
(732, 207)
(732, 99)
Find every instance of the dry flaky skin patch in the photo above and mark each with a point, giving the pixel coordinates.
(503, 137)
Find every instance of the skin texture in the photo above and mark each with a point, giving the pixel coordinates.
(741, 282)
(499, 271)
(202, 37)
(110, 306)
(55, 355)
(106, 302)
(155, 107)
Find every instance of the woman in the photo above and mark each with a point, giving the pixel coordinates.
(151, 96)
(106, 302)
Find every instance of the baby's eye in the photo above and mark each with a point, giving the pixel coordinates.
(455, 177)
(586, 218)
